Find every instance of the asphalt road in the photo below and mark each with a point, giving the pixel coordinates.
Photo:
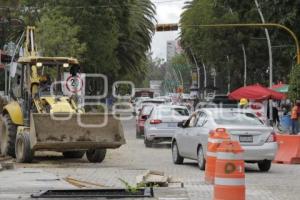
(132, 159)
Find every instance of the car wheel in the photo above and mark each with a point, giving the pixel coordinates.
(177, 158)
(148, 143)
(201, 159)
(264, 165)
(138, 134)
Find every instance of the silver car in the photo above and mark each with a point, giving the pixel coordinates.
(162, 123)
(257, 139)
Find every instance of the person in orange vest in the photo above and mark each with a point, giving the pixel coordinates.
(294, 118)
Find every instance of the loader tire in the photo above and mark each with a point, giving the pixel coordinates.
(96, 155)
(8, 136)
(73, 154)
(24, 154)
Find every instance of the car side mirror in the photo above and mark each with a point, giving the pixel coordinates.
(181, 124)
(144, 117)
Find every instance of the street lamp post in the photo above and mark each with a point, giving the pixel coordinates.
(198, 71)
(245, 65)
(205, 77)
(229, 77)
(270, 58)
(214, 75)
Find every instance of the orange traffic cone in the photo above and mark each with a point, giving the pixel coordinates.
(230, 172)
(215, 139)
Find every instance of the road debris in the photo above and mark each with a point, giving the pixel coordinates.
(7, 166)
(83, 184)
(157, 179)
(4, 158)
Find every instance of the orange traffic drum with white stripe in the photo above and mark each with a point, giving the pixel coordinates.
(214, 141)
(230, 172)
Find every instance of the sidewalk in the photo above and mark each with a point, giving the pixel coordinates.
(21, 183)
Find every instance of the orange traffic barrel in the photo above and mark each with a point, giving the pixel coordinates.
(214, 141)
(230, 172)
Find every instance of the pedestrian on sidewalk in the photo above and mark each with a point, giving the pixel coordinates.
(295, 117)
(276, 120)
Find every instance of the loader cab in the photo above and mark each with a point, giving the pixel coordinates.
(44, 76)
(38, 79)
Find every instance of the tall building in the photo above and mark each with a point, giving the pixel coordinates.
(173, 48)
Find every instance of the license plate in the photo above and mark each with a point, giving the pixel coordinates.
(172, 125)
(246, 138)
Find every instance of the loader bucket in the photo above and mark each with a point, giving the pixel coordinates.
(66, 132)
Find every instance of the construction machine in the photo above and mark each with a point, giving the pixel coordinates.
(40, 117)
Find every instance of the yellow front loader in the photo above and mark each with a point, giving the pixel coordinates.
(39, 116)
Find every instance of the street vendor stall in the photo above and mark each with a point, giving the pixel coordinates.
(256, 92)
(258, 97)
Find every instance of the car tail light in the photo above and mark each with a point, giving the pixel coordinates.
(218, 130)
(272, 138)
(221, 130)
(155, 121)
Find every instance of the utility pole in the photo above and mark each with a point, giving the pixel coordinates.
(270, 56)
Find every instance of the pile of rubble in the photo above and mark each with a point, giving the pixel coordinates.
(6, 163)
(158, 179)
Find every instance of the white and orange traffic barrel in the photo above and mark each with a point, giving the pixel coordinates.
(214, 141)
(230, 172)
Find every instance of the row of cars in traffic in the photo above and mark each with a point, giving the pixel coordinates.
(188, 132)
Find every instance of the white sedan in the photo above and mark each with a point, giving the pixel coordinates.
(257, 139)
(162, 123)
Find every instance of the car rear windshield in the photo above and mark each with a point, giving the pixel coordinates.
(173, 112)
(236, 118)
(146, 110)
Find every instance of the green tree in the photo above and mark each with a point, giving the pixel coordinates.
(61, 34)
(211, 46)
(182, 69)
(294, 83)
(214, 46)
(116, 34)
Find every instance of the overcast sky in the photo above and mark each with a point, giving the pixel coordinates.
(168, 11)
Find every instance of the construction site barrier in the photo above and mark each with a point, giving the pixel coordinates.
(288, 149)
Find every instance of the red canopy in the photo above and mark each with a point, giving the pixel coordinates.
(256, 92)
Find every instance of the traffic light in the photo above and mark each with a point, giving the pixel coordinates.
(166, 27)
